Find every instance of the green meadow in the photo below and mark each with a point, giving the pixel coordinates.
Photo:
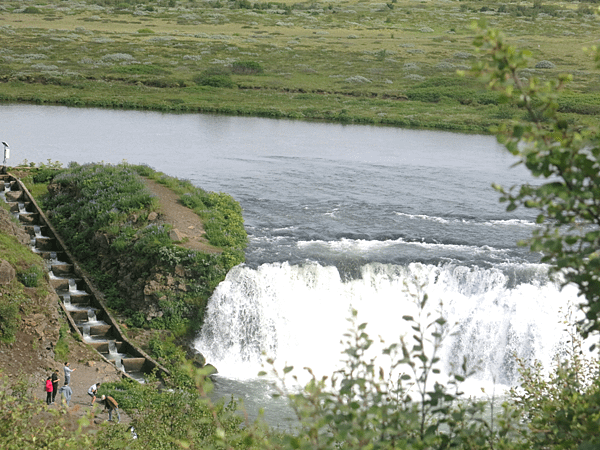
(352, 61)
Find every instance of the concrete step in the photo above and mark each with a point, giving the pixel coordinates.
(97, 331)
(134, 364)
(46, 244)
(14, 196)
(63, 270)
(29, 218)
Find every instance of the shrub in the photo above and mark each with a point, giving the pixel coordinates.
(112, 200)
(545, 65)
(246, 67)
(61, 350)
(31, 276)
(9, 319)
(216, 77)
(32, 10)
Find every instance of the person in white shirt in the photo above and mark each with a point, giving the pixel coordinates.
(92, 391)
(68, 371)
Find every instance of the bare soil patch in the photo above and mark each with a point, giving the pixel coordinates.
(188, 228)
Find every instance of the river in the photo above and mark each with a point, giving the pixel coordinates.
(339, 217)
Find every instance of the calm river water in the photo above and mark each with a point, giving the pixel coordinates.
(339, 217)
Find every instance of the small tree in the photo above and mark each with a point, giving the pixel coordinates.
(564, 156)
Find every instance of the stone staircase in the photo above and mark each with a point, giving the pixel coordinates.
(82, 303)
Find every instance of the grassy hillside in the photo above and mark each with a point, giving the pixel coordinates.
(103, 213)
(355, 61)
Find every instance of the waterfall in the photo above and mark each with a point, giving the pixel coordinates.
(37, 230)
(298, 314)
(86, 333)
(22, 207)
(67, 299)
(92, 315)
(114, 355)
(72, 285)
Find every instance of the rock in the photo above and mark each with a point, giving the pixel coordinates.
(151, 288)
(176, 235)
(210, 369)
(152, 312)
(152, 216)
(198, 360)
(90, 363)
(7, 272)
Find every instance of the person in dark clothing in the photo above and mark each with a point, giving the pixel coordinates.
(48, 390)
(112, 405)
(55, 381)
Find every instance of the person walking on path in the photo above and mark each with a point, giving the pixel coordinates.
(49, 390)
(66, 393)
(68, 371)
(92, 391)
(112, 405)
(55, 381)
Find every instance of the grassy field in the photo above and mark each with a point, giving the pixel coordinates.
(353, 61)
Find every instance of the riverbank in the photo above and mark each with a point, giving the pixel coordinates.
(361, 62)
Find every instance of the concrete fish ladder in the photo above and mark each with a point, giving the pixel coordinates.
(82, 303)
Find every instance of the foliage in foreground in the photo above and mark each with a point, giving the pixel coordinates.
(176, 418)
(27, 424)
(564, 157)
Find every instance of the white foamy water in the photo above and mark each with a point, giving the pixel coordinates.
(297, 315)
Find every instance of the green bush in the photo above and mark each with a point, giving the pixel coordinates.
(31, 276)
(9, 319)
(246, 67)
(61, 350)
(27, 424)
(220, 78)
(32, 10)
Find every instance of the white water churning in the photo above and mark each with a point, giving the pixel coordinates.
(297, 315)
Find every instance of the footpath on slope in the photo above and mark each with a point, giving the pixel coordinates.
(187, 226)
(31, 357)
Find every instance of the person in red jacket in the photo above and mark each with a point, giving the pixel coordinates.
(49, 390)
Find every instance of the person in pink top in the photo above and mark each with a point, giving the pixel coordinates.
(49, 390)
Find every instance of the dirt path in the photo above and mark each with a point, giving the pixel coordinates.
(89, 369)
(187, 226)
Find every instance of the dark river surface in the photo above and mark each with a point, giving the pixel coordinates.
(339, 217)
